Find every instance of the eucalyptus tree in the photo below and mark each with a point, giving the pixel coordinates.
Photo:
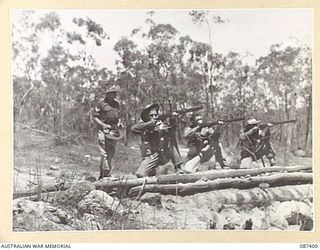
(54, 64)
(287, 73)
(207, 18)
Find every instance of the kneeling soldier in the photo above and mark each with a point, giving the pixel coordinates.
(255, 143)
(157, 147)
(203, 143)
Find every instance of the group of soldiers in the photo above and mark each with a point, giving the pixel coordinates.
(159, 145)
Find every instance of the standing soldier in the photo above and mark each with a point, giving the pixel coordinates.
(203, 143)
(157, 146)
(106, 115)
(255, 143)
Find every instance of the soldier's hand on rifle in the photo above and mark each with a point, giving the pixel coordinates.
(157, 123)
(205, 142)
(220, 122)
(162, 125)
(270, 124)
(255, 128)
(197, 128)
(204, 132)
(199, 122)
(106, 128)
(211, 131)
(175, 114)
(120, 123)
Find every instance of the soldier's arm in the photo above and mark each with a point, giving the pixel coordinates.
(140, 127)
(190, 133)
(172, 120)
(216, 131)
(265, 130)
(97, 120)
(243, 135)
(96, 115)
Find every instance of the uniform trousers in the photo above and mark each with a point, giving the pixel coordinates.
(151, 162)
(107, 149)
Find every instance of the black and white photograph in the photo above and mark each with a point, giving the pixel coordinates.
(162, 119)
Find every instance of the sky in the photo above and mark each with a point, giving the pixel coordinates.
(247, 30)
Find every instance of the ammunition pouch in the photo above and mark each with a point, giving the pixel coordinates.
(206, 153)
(264, 149)
(114, 135)
(164, 149)
(145, 149)
(193, 151)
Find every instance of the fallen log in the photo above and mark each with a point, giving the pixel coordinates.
(225, 183)
(256, 196)
(125, 183)
(65, 196)
(41, 189)
(217, 198)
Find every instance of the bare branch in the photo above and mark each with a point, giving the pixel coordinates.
(26, 94)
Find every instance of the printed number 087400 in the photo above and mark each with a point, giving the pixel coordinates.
(308, 245)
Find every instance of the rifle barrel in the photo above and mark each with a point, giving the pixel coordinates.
(283, 122)
(278, 123)
(182, 111)
(209, 124)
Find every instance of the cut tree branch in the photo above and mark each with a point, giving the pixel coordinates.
(37, 130)
(26, 94)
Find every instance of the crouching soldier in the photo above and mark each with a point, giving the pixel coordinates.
(203, 143)
(157, 145)
(255, 143)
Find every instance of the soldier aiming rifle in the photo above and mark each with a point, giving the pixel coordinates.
(255, 142)
(203, 142)
(158, 142)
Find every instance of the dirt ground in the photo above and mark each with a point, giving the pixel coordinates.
(38, 161)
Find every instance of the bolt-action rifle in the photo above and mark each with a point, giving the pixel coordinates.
(179, 112)
(262, 126)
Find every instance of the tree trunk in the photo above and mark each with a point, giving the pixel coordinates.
(108, 184)
(207, 97)
(40, 190)
(309, 113)
(255, 197)
(275, 180)
(189, 178)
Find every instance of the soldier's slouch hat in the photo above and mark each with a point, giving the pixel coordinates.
(253, 121)
(145, 112)
(195, 118)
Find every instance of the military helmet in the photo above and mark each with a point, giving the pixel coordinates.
(145, 113)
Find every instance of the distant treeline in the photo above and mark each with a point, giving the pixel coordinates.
(56, 91)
